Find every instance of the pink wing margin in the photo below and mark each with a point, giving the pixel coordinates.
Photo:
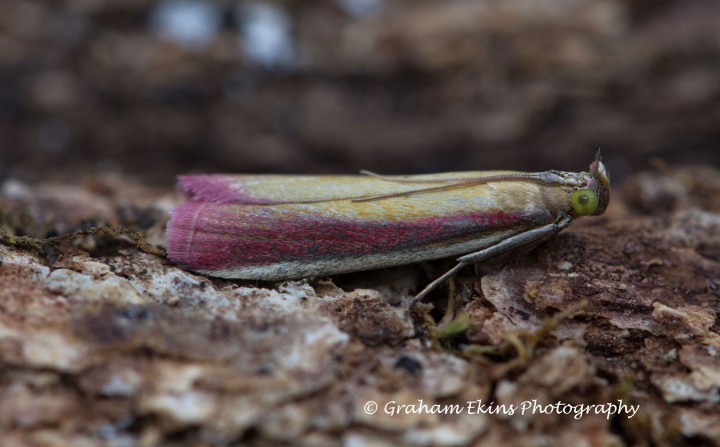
(217, 188)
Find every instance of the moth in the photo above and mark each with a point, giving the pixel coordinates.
(280, 227)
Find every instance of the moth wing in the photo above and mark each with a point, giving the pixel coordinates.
(278, 189)
(297, 240)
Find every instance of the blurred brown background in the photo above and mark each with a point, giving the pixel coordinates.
(152, 89)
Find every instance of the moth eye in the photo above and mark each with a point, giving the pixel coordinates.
(585, 202)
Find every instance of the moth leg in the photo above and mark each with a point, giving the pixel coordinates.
(449, 274)
(514, 242)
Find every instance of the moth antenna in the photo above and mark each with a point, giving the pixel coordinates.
(461, 183)
(407, 180)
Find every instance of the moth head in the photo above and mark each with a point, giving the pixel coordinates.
(594, 198)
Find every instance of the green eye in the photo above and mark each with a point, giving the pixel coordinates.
(584, 202)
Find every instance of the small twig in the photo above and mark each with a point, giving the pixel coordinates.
(524, 343)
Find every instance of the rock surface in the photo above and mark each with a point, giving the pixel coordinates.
(104, 345)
